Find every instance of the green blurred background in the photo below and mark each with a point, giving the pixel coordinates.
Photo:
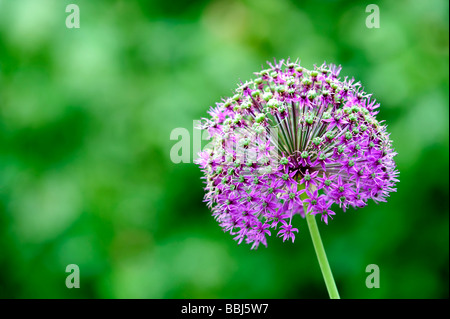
(85, 172)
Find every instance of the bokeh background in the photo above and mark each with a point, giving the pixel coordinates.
(85, 170)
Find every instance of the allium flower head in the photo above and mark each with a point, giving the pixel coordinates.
(293, 137)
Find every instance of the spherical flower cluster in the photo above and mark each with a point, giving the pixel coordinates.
(293, 141)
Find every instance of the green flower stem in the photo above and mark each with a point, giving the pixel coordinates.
(322, 257)
(320, 252)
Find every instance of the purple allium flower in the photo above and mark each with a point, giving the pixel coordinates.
(292, 131)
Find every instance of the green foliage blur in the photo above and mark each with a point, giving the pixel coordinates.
(85, 170)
